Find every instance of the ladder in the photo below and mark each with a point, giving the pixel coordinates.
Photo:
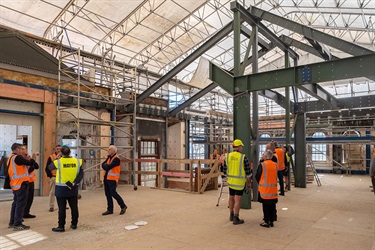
(310, 162)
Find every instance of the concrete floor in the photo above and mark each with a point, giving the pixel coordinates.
(338, 215)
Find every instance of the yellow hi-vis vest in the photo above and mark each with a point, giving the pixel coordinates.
(236, 170)
(67, 170)
(268, 180)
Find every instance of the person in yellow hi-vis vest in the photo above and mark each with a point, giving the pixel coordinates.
(237, 169)
(69, 174)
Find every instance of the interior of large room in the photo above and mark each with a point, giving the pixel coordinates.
(155, 98)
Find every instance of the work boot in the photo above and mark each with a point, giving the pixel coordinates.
(107, 212)
(237, 221)
(231, 216)
(123, 210)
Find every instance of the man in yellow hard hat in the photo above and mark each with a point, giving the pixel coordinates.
(237, 169)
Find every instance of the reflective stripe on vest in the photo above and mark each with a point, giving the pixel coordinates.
(236, 174)
(71, 178)
(32, 176)
(114, 173)
(268, 183)
(16, 178)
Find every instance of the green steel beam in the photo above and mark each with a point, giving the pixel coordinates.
(320, 93)
(302, 46)
(358, 66)
(222, 77)
(252, 20)
(237, 44)
(332, 41)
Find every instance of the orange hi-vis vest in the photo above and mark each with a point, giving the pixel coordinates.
(53, 157)
(280, 158)
(17, 173)
(114, 173)
(268, 181)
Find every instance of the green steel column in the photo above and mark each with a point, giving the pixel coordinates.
(287, 107)
(300, 149)
(255, 114)
(237, 43)
(241, 100)
(287, 113)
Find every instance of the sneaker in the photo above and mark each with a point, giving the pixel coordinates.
(107, 212)
(10, 225)
(21, 227)
(123, 210)
(51, 209)
(29, 216)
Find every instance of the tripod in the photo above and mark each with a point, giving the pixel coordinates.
(223, 180)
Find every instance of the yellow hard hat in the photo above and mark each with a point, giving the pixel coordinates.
(237, 143)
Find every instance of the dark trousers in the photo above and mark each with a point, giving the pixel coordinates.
(19, 204)
(269, 212)
(30, 198)
(73, 204)
(373, 184)
(280, 176)
(110, 191)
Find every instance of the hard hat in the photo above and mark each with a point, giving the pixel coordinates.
(237, 143)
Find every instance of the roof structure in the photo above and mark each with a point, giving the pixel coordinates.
(158, 34)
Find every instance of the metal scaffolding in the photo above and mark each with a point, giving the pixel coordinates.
(90, 93)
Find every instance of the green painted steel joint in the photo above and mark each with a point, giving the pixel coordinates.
(224, 79)
(352, 67)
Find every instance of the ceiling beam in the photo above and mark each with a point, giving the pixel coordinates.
(320, 93)
(352, 67)
(311, 33)
(189, 59)
(302, 46)
(252, 20)
(320, 48)
(192, 99)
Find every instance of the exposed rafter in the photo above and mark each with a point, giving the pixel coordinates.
(311, 33)
(64, 18)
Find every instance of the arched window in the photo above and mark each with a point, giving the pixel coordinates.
(262, 147)
(319, 150)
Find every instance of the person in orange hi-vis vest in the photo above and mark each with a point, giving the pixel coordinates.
(281, 167)
(112, 174)
(52, 175)
(18, 174)
(266, 177)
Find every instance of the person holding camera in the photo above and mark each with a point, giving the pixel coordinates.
(69, 174)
